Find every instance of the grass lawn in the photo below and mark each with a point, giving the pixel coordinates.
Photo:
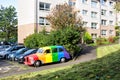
(102, 51)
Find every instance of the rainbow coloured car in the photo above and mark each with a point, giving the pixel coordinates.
(47, 55)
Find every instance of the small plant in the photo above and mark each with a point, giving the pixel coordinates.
(87, 38)
(111, 39)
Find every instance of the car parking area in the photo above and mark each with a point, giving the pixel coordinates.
(8, 66)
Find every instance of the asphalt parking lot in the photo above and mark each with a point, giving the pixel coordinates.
(8, 66)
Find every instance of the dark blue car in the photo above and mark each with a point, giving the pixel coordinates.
(17, 53)
(20, 58)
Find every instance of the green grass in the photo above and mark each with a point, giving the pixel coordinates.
(105, 68)
(32, 74)
(102, 51)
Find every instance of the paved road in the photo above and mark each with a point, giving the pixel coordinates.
(87, 54)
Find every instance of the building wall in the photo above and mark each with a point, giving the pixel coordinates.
(89, 7)
(24, 31)
(26, 19)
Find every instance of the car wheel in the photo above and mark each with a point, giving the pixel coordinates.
(37, 63)
(62, 60)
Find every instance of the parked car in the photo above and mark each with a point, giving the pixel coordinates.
(47, 55)
(4, 54)
(17, 53)
(20, 58)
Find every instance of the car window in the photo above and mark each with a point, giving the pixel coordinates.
(29, 51)
(47, 51)
(54, 50)
(40, 50)
(60, 50)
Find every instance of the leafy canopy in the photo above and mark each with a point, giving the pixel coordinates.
(8, 22)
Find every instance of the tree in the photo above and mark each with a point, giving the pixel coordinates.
(8, 22)
(117, 6)
(63, 16)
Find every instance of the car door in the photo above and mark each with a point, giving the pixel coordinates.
(48, 55)
(60, 53)
(54, 54)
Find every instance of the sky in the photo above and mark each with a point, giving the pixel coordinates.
(6, 3)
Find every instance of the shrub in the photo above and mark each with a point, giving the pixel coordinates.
(87, 38)
(67, 37)
(101, 41)
(111, 39)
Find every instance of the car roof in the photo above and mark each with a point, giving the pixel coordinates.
(48, 47)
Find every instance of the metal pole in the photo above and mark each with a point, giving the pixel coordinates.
(36, 28)
(100, 18)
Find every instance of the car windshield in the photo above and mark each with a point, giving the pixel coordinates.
(8, 49)
(29, 51)
(40, 50)
(20, 50)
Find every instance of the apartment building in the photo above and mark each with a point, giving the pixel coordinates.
(99, 19)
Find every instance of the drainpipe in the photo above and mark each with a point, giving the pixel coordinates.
(100, 18)
(36, 17)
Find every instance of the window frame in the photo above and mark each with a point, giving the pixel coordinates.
(45, 8)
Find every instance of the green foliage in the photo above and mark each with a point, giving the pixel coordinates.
(87, 38)
(62, 16)
(8, 22)
(101, 41)
(117, 6)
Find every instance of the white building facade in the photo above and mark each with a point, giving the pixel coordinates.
(99, 19)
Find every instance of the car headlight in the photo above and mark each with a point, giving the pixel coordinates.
(21, 56)
(11, 55)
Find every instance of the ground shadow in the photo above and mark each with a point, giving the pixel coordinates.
(85, 50)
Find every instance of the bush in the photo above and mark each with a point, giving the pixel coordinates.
(87, 38)
(111, 39)
(101, 41)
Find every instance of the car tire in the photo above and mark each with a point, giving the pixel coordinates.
(62, 60)
(37, 63)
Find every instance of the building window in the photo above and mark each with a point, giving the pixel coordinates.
(43, 21)
(84, 1)
(103, 2)
(111, 3)
(44, 6)
(103, 32)
(84, 12)
(103, 12)
(94, 35)
(110, 13)
(94, 14)
(103, 22)
(93, 25)
(110, 22)
(111, 32)
(71, 3)
(85, 24)
(93, 3)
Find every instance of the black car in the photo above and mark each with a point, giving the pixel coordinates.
(20, 58)
(4, 54)
(17, 53)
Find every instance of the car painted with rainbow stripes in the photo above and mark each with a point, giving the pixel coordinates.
(47, 54)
